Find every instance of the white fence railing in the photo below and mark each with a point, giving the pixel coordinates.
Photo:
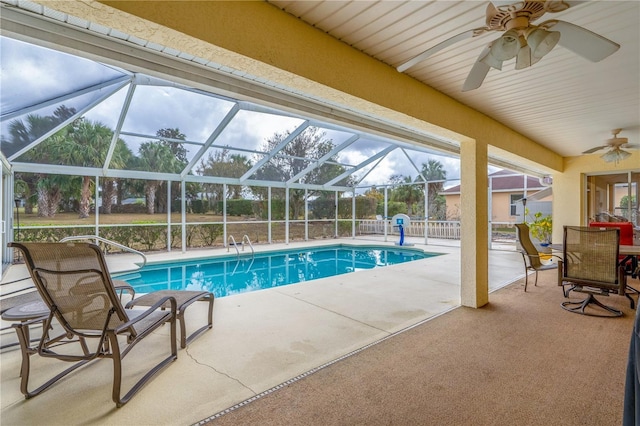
(443, 229)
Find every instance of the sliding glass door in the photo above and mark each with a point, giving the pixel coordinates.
(613, 197)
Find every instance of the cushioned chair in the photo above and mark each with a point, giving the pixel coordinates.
(590, 265)
(74, 284)
(626, 230)
(530, 255)
(626, 239)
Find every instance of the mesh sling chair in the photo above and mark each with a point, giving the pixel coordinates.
(74, 283)
(15, 305)
(530, 255)
(590, 265)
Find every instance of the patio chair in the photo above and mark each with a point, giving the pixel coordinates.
(30, 295)
(530, 255)
(590, 265)
(74, 284)
(626, 239)
(19, 305)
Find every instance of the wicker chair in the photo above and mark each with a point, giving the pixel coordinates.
(530, 255)
(590, 265)
(74, 284)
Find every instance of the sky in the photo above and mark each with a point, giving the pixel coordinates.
(33, 74)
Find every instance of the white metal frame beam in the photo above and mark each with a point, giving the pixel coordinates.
(365, 163)
(301, 128)
(219, 129)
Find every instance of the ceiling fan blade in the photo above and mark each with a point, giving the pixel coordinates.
(592, 150)
(478, 72)
(630, 146)
(438, 47)
(583, 42)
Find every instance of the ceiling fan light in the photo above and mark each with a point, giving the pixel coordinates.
(623, 154)
(507, 46)
(542, 42)
(491, 61)
(615, 155)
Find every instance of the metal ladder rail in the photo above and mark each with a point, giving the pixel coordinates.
(246, 237)
(233, 241)
(113, 243)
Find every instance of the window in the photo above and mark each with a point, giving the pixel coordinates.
(514, 198)
(613, 197)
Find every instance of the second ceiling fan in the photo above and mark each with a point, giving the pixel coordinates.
(614, 145)
(522, 40)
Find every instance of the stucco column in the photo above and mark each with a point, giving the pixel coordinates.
(474, 250)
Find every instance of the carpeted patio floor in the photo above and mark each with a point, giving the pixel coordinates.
(521, 360)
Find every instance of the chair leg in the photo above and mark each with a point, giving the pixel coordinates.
(526, 278)
(22, 330)
(567, 291)
(579, 307)
(633, 303)
(117, 365)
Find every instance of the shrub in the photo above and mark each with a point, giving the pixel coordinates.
(395, 207)
(238, 207)
(209, 233)
(200, 206)
(323, 208)
(149, 236)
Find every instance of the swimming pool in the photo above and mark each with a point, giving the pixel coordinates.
(229, 275)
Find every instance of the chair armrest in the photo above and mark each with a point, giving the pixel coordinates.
(149, 311)
(538, 256)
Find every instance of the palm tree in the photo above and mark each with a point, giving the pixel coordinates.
(168, 137)
(88, 143)
(433, 170)
(122, 157)
(405, 192)
(21, 133)
(49, 188)
(155, 156)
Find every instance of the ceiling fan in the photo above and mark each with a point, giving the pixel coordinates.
(522, 40)
(615, 144)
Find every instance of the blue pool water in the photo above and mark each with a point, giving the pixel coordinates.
(229, 275)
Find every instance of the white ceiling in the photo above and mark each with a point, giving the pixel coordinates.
(563, 102)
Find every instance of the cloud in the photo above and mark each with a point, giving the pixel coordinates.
(48, 73)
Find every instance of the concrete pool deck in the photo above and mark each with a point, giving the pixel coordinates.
(259, 340)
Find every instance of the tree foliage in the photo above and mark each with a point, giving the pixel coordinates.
(222, 163)
(156, 156)
(433, 170)
(294, 158)
(411, 191)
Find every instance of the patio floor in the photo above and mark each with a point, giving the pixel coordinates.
(259, 340)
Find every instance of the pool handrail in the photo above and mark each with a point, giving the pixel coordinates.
(246, 237)
(113, 243)
(233, 241)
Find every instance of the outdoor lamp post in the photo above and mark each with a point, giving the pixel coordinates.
(17, 201)
(524, 210)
